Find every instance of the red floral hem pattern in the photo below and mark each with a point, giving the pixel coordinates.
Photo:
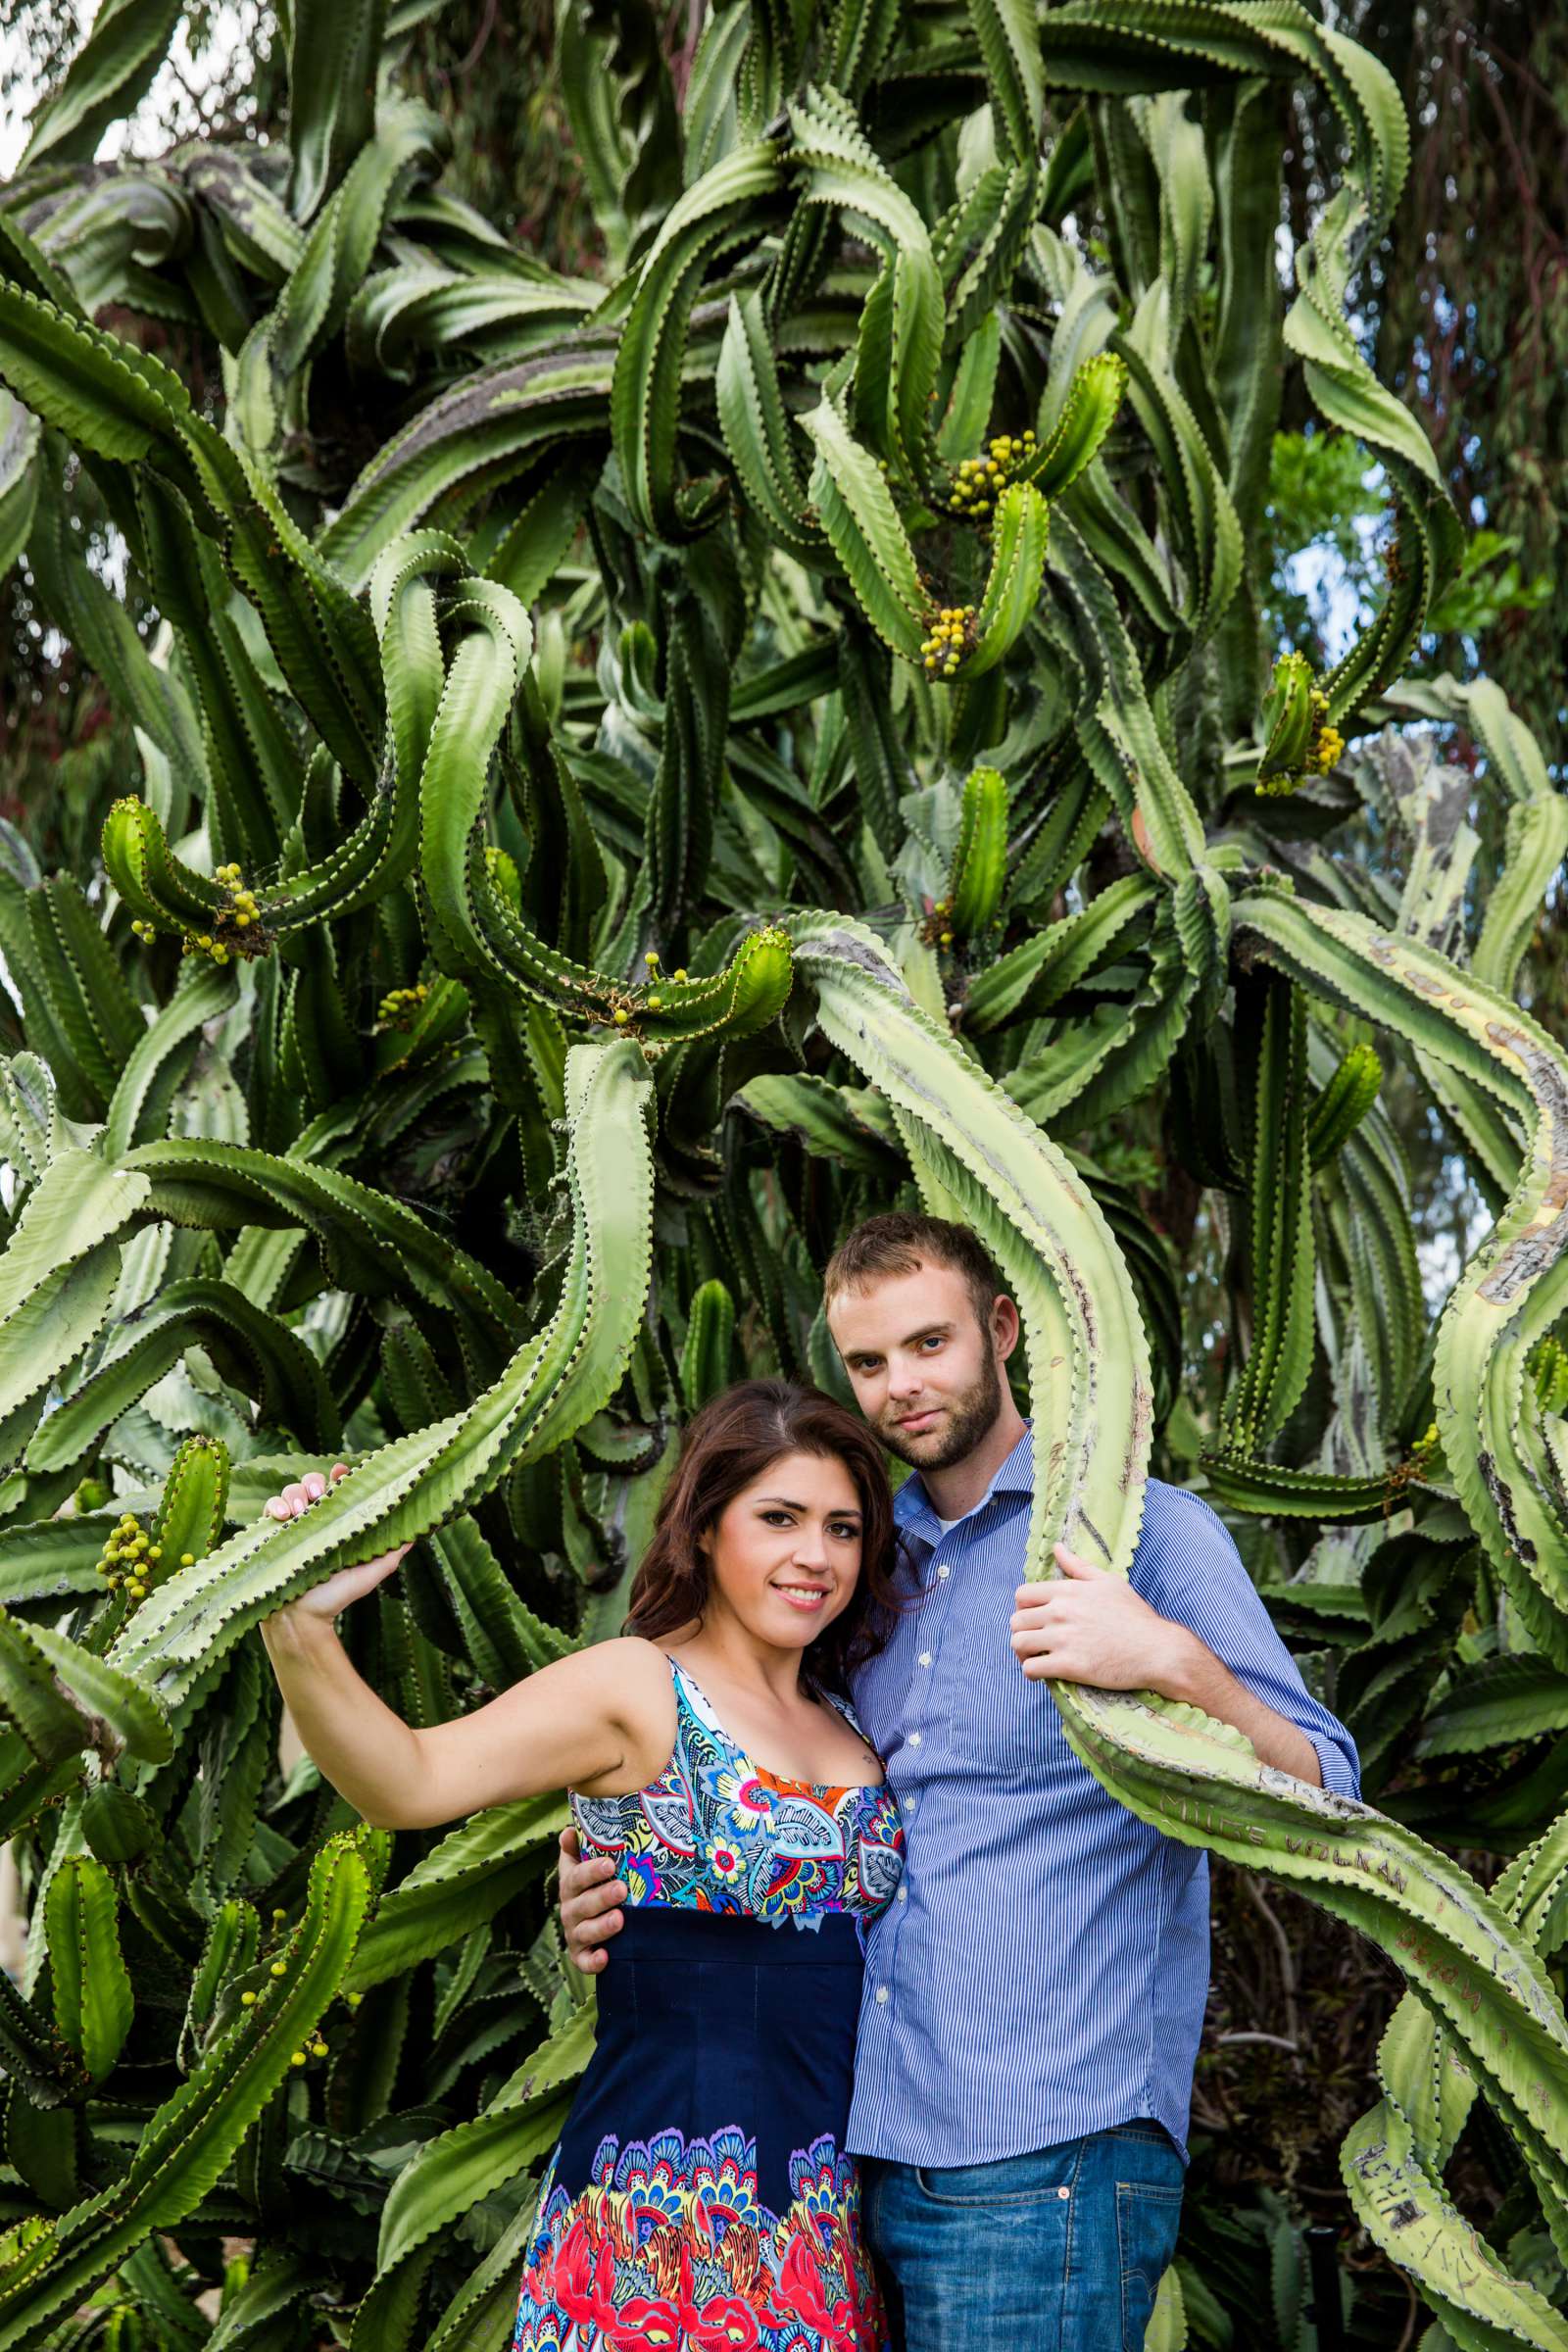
(669, 2248)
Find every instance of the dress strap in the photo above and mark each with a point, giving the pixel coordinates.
(843, 1707)
(693, 1710)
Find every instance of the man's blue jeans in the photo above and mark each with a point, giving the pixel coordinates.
(1060, 2251)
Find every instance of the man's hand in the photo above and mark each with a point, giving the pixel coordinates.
(591, 1896)
(1091, 1627)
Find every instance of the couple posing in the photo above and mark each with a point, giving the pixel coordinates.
(884, 1972)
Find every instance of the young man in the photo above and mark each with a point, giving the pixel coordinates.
(1034, 1997)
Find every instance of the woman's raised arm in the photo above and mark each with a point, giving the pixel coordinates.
(574, 1721)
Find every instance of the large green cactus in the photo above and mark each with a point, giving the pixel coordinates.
(786, 727)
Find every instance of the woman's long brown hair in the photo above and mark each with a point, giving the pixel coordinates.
(729, 1443)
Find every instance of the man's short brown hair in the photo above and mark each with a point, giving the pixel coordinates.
(902, 1242)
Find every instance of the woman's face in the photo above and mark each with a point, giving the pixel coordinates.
(784, 1555)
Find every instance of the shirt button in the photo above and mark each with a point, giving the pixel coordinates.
(942, 1570)
(911, 1803)
(904, 1894)
(914, 1738)
(881, 1992)
(1062, 2192)
(925, 1658)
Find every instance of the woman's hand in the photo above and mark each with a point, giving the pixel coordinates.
(325, 1600)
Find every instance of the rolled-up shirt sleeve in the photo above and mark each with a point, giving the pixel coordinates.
(1189, 1569)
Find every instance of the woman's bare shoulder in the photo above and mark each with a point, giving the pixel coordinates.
(629, 1662)
(632, 1682)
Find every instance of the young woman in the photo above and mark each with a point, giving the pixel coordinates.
(700, 2196)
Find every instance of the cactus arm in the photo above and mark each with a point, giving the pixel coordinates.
(979, 866)
(645, 397)
(756, 426)
(390, 1247)
(1030, 978)
(1052, 1237)
(1282, 1259)
(480, 686)
(251, 1348)
(1195, 1780)
(46, 1332)
(1393, 2158)
(79, 1204)
(113, 1712)
(554, 1383)
(898, 345)
(199, 996)
(460, 1883)
(93, 2000)
(1516, 1286)
(867, 532)
(455, 2167)
(1094, 396)
(705, 1357)
(46, 2273)
(490, 424)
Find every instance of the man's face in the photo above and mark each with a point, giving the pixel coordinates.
(925, 1375)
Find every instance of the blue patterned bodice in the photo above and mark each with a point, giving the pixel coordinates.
(718, 1833)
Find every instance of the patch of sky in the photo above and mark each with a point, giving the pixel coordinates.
(174, 106)
(1321, 574)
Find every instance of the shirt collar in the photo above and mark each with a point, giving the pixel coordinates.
(916, 1514)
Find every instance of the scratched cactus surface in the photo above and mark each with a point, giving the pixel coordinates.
(780, 728)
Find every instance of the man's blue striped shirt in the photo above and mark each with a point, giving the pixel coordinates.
(1044, 1970)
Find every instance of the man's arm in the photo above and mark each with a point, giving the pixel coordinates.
(591, 1896)
(1189, 1625)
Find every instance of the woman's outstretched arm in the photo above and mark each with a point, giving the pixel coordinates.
(584, 1719)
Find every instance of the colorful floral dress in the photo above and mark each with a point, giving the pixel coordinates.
(701, 2197)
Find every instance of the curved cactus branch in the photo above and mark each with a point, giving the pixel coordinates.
(1501, 1454)
(554, 1383)
(1198, 1781)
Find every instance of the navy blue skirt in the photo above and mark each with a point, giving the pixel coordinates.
(700, 2193)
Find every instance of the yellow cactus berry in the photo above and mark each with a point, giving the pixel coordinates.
(655, 1004)
(136, 1588)
(354, 1999)
(947, 939)
(296, 2057)
(681, 974)
(623, 1016)
(240, 922)
(277, 1969)
(279, 1911)
(652, 959)
(203, 938)
(155, 1551)
(318, 2049)
(188, 1559)
(247, 2001)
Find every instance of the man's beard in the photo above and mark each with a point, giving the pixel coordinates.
(969, 1419)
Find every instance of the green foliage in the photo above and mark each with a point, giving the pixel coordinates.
(613, 778)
